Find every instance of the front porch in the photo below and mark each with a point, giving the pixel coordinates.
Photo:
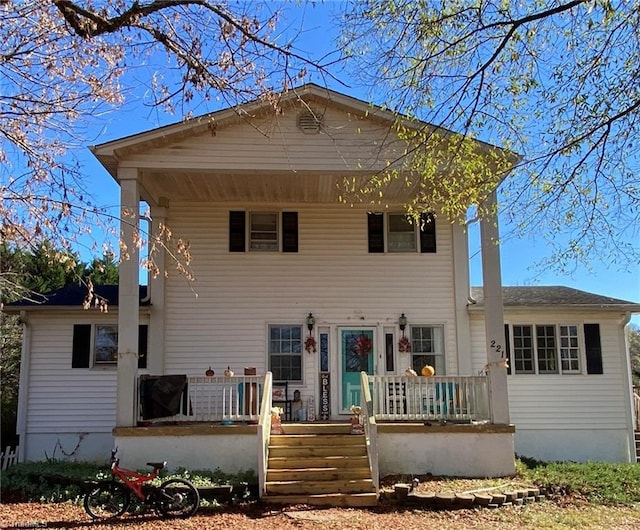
(176, 399)
(412, 425)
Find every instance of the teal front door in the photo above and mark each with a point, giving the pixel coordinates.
(356, 355)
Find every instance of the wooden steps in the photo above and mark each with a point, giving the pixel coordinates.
(319, 464)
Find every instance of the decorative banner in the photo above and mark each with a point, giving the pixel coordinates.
(325, 396)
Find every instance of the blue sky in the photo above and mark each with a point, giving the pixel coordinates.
(521, 256)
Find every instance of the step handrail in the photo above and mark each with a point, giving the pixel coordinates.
(264, 434)
(370, 428)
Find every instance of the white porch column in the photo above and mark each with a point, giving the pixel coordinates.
(155, 350)
(493, 314)
(128, 294)
(462, 289)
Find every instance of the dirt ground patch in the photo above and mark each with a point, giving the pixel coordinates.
(255, 515)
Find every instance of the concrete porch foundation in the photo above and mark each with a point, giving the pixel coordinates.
(403, 448)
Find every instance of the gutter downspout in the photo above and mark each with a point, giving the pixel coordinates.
(628, 386)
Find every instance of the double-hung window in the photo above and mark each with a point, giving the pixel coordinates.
(285, 353)
(97, 345)
(427, 347)
(106, 344)
(401, 234)
(395, 232)
(263, 230)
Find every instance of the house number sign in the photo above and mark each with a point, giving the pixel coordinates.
(325, 404)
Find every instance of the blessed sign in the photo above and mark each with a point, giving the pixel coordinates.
(325, 402)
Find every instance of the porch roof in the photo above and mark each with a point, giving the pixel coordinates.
(553, 295)
(72, 296)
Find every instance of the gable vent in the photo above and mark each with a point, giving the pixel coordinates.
(309, 123)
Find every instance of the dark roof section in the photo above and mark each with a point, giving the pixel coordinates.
(555, 295)
(73, 296)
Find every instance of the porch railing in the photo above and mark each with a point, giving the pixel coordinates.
(240, 398)
(417, 398)
(200, 399)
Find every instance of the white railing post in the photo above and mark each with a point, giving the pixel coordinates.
(264, 433)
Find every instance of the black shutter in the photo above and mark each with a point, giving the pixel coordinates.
(289, 231)
(237, 231)
(507, 347)
(143, 331)
(375, 225)
(593, 348)
(81, 351)
(427, 232)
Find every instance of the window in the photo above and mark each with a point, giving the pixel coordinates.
(553, 348)
(397, 233)
(547, 355)
(427, 347)
(267, 231)
(324, 350)
(264, 231)
(97, 345)
(285, 353)
(523, 349)
(106, 345)
(569, 350)
(389, 351)
(401, 234)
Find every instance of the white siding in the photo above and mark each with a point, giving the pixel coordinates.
(543, 404)
(274, 143)
(62, 399)
(332, 275)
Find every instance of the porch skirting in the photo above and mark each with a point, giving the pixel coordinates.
(403, 448)
(451, 450)
(232, 448)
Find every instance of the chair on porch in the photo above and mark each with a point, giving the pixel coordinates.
(280, 398)
(443, 399)
(396, 402)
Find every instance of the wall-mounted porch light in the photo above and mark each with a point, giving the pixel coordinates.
(310, 322)
(402, 322)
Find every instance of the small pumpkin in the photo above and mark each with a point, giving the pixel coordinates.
(209, 372)
(428, 370)
(228, 372)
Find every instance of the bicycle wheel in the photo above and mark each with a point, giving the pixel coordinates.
(178, 498)
(107, 500)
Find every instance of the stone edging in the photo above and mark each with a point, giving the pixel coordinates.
(451, 500)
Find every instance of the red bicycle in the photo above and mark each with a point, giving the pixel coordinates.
(176, 497)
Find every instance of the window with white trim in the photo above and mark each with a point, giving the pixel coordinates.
(105, 344)
(427, 347)
(546, 349)
(96, 345)
(569, 349)
(285, 353)
(523, 349)
(401, 233)
(263, 231)
(395, 232)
